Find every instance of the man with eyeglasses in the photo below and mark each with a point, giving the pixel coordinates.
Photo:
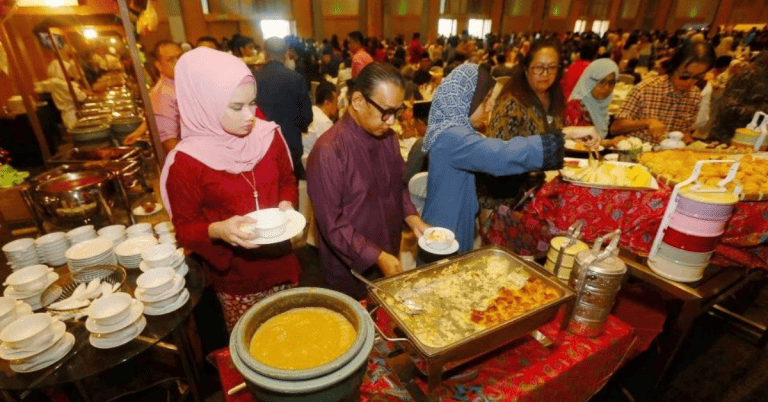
(669, 102)
(354, 179)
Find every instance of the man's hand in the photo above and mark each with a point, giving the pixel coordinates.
(657, 129)
(229, 231)
(585, 135)
(417, 225)
(389, 264)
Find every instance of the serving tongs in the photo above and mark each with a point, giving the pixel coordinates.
(408, 306)
(572, 236)
(592, 163)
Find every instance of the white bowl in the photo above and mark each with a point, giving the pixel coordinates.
(165, 302)
(110, 309)
(82, 231)
(439, 238)
(269, 223)
(29, 279)
(164, 227)
(143, 227)
(168, 238)
(8, 307)
(156, 281)
(18, 246)
(23, 331)
(159, 255)
(112, 231)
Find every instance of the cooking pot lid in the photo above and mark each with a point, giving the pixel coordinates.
(558, 242)
(77, 180)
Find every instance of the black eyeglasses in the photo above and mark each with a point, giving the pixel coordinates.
(386, 113)
(688, 77)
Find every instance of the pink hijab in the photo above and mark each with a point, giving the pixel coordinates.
(205, 81)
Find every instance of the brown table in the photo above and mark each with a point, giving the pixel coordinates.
(696, 297)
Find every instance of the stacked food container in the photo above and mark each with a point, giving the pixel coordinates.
(569, 254)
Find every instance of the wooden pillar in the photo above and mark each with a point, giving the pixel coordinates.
(434, 16)
(362, 21)
(317, 19)
(723, 13)
(538, 14)
(375, 13)
(194, 20)
(497, 16)
(303, 13)
(613, 13)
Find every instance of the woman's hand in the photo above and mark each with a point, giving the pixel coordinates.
(285, 205)
(417, 224)
(229, 231)
(585, 135)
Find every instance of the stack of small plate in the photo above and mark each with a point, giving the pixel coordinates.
(115, 320)
(81, 234)
(129, 252)
(89, 253)
(139, 229)
(161, 290)
(115, 233)
(51, 248)
(165, 232)
(21, 253)
(27, 284)
(164, 256)
(34, 342)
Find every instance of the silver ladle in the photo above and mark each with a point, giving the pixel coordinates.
(409, 306)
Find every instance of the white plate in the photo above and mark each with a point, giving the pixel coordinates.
(178, 283)
(583, 163)
(296, 223)
(183, 271)
(101, 343)
(169, 309)
(175, 264)
(58, 351)
(89, 249)
(133, 247)
(11, 292)
(450, 250)
(139, 211)
(137, 308)
(9, 353)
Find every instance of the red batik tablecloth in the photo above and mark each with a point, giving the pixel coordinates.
(637, 213)
(572, 370)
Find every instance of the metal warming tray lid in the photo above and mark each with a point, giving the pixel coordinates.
(409, 285)
(80, 156)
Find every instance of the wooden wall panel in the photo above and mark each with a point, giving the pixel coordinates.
(340, 25)
(404, 25)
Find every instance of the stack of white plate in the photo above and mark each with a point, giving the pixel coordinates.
(161, 291)
(81, 234)
(139, 229)
(115, 233)
(165, 232)
(115, 320)
(27, 284)
(21, 253)
(98, 251)
(34, 342)
(129, 252)
(11, 309)
(164, 256)
(51, 248)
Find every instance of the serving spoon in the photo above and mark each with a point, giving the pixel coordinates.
(410, 306)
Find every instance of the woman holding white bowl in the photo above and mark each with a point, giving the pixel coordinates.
(229, 163)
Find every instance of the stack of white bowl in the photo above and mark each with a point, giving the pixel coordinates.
(98, 251)
(52, 247)
(129, 252)
(115, 233)
(34, 342)
(11, 309)
(27, 284)
(139, 229)
(115, 320)
(21, 253)
(165, 232)
(81, 234)
(164, 256)
(161, 290)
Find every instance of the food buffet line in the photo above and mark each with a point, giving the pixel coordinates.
(453, 316)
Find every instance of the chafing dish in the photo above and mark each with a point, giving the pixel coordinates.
(484, 340)
(80, 156)
(129, 172)
(93, 135)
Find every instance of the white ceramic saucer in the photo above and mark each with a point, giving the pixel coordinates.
(175, 264)
(296, 223)
(9, 353)
(139, 211)
(183, 298)
(450, 250)
(137, 308)
(56, 353)
(22, 309)
(11, 292)
(183, 271)
(178, 283)
(108, 343)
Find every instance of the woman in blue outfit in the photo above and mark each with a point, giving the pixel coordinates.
(456, 151)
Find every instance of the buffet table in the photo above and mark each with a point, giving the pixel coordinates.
(573, 369)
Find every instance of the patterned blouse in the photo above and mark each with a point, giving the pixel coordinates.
(510, 118)
(577, 115)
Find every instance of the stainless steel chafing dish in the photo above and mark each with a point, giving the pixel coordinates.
(484, 340)
(80, 156)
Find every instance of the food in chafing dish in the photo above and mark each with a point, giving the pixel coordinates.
(302, 338)
(452, 301)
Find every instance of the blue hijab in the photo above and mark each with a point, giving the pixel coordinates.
(451, 103)
(598, 109)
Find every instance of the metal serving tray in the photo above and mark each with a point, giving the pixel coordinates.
(487, 339)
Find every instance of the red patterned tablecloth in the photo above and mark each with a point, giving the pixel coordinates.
(637, 213)
(572, 370)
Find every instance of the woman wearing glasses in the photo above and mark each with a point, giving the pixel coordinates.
(591, 96)
(669, 102)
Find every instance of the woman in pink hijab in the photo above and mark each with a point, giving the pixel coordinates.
(226, 162)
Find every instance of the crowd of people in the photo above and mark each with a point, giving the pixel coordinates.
(246, 123)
